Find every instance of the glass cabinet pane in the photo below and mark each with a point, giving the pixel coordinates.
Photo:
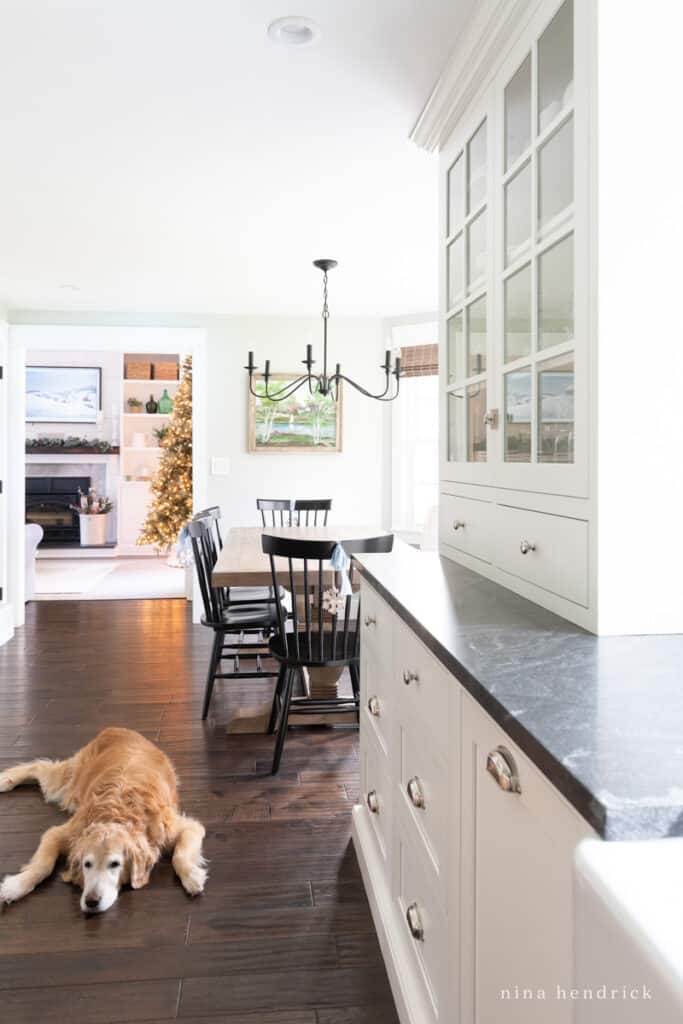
(518, 114)
(476, 337)
(556, 294)
(476, 168)
(518, 416)
(456, 426)
(556, 177)
(518, 214)
(456, 270)
(556, 410)
(456, 195)
(556, 66)
(476, 249)
(518, 314)
(476, 428)
(456, 348)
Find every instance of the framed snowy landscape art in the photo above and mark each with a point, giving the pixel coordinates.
(63, 394)
(305, 422)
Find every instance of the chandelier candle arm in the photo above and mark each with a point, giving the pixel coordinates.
(323, 384)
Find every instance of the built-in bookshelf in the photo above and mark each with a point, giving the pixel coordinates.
(139, 444)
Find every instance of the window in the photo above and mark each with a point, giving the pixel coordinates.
(415, 431)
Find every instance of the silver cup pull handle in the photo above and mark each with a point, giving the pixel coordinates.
(415, 922)
(500, 764)
(414, 788)
(370, 620)
(410, 677)
(526, 546)
(373, 706)
(372, 801)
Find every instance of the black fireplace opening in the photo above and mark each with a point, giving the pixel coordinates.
(47, 503)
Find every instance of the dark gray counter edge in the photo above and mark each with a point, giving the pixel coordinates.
(574, 791)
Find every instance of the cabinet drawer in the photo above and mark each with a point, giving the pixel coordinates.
(424, 689)
(467, 524)
(377, 700)
(549, 551)
(376, 795)
(376, 619)
(519, 838)
(424, 795)
(424, 926)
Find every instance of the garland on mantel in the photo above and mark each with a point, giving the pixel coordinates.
(67, 443)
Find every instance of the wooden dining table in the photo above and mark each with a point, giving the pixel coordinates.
(242, 563)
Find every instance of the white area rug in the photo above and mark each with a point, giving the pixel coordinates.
(70, 576)
(110, 579)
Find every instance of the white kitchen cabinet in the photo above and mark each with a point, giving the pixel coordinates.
(470, 885)
(558, 283)
(517, 856)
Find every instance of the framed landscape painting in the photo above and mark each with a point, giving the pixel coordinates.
(302, 423)
(63, 394)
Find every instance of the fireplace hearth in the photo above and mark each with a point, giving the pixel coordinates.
(47, 504)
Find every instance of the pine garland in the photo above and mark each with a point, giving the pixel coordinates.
(172, 484)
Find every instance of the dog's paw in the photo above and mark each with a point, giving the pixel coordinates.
(13, 888)
(194, 880)
(6, 781)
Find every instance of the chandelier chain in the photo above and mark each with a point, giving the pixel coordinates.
(326, 311)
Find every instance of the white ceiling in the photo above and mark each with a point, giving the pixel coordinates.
(165, 155)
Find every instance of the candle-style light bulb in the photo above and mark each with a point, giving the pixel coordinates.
(387, 362)
(267, 369)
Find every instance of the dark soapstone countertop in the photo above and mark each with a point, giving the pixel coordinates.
(601, 717)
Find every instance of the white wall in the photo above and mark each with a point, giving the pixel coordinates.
(6, 611)
(353, 477)
(111, 364)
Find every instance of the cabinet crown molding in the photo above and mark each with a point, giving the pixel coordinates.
(489, 32)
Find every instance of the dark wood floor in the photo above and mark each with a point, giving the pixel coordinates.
(283, 933)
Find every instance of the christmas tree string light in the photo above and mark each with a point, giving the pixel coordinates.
(171, 505)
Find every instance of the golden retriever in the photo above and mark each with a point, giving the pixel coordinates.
(122, 793)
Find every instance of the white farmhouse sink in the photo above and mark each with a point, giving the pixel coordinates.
(629, 932)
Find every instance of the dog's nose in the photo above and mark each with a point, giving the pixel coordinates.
(92, 902)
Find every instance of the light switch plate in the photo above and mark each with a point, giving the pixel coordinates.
(220, 465)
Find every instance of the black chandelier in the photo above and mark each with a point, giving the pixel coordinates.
(322, 383)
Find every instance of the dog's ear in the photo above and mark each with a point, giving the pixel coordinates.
(141, 861)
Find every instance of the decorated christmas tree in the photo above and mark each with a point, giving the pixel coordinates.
(171, 505)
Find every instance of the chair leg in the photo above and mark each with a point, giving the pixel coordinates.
(277, 699)
(355, 682)
(218, 639)
(284, 719)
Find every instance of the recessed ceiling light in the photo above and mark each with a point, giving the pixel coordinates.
(69, 288)
(293, 31)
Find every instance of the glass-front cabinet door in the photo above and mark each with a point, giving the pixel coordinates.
(467, 299)
(514, 314)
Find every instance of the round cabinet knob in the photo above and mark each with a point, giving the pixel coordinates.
(410, 677)
(370, 620)
(372, 801)
(501, 765)
(526, 546)
(373, 706)
(415, 922)
(458, 524)
(414, 788)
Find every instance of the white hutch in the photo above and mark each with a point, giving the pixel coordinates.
(558, 447)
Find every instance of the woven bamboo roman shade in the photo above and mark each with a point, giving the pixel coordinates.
(420, 361)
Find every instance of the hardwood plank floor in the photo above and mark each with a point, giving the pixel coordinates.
(283, 933)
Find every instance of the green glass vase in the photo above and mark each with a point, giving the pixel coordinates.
(165, 403)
